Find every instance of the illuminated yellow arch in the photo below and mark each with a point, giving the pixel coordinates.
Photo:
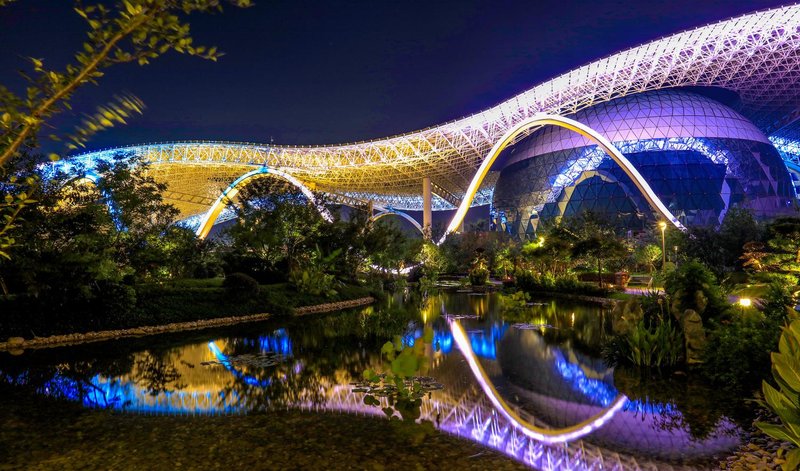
(572, 125)
(383, 212)
(233, 189)
(542, 434)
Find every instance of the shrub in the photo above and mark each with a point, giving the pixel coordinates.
(478, 276)
(117, 303)
(563, 284)
(737, 353)
(778, 301)
(239, 284)
(313, 281)
(694, 286)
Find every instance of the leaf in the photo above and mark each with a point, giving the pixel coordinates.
(406, 364)
(387, 347)
(370, 375)
(792, 460)
(789, 370)
(781, 405)
(775, 431)
(370, 400)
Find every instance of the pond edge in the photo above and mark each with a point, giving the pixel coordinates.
(17, 345)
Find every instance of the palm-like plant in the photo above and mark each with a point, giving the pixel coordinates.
(785, 400)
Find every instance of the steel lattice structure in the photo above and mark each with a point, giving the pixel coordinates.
(757, 56)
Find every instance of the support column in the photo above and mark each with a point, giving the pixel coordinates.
(426, 208)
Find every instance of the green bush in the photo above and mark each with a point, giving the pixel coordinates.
(785, 400)
(737, 353)
(240, 285)
(656, 343)
(546, 282)
(694, 286)
(313, 281)
(478, 276)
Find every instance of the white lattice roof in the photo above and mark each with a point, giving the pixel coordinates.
(757, 56)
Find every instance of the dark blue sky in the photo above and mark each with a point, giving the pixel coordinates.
(302, 72)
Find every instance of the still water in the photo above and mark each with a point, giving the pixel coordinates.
(532, 386)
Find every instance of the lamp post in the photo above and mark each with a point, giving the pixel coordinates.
(663, 226)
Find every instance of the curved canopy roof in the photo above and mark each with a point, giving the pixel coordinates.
(757, 56)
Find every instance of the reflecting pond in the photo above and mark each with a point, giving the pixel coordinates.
(532, 386)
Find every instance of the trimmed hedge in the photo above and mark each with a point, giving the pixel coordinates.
(547, 283)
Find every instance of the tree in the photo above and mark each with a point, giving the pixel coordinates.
(600, 248)
(129, 31)
(277, 225)
(783, 242)
(551, 251)
(737, 229)
(362, 243)
(648, 255)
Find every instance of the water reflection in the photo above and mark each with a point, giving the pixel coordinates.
(521, 390)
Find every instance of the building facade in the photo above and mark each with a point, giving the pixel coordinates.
(700, 157)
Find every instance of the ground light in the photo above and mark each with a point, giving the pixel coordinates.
(745, 302)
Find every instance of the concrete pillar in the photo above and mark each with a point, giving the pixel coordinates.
(426, 207)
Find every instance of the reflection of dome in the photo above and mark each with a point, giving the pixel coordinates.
(699, 156)
(563, 388)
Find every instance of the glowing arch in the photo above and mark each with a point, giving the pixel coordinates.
(533, 431)
(233, 189)
(585, 131)
(383, 212)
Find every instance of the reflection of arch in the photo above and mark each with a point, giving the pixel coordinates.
(533, 431)
(230, 192)
(572, 125)
(383, 212)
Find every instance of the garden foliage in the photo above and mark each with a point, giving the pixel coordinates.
(784, 400)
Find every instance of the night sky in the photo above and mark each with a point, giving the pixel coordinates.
(301, 72)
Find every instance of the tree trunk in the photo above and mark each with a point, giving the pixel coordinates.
(599, 273)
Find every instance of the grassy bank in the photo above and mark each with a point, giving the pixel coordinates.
(181, 301)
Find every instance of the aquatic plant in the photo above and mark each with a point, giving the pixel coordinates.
(784, 401)
(659, 346)
(402, 386)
